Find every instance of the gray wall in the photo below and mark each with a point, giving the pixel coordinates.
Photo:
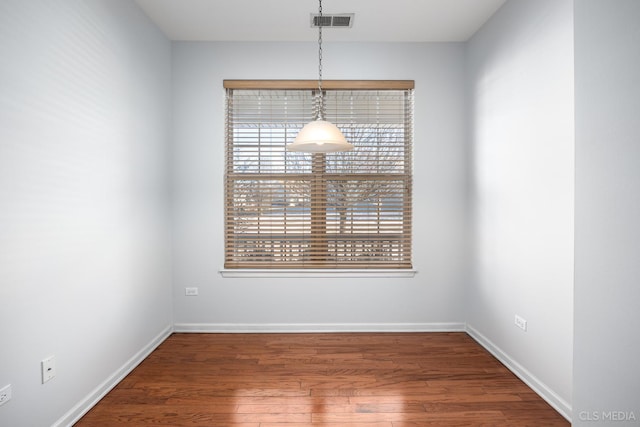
(520, 76)
(84, 260)
(607, 288)
(427, 301)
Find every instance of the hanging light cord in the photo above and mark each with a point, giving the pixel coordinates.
(320, 97)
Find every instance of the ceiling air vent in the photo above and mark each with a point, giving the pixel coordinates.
(343, 20)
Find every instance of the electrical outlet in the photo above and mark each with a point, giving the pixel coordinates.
(191, 292)
(48, 366)
(521, 323)
(5, 394)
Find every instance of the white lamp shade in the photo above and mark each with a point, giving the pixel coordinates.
(320, 136)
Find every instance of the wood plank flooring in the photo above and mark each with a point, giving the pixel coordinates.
(331, 380)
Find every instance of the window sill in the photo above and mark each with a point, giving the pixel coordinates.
(317, 273)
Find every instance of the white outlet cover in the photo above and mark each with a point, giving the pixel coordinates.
(5, 394)
(521, 323)
(191, 292)
(48, 368)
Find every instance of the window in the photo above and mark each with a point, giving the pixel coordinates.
(346, 210)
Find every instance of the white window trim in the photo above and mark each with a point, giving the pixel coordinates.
(317, 273)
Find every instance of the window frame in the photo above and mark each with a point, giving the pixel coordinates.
(344, 270)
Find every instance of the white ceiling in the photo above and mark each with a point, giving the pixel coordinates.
(289, 20)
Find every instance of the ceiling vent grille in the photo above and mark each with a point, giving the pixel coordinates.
(343, 20)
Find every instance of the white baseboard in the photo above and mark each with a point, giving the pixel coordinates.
(317, 327)
(82, 407)
(559, 404)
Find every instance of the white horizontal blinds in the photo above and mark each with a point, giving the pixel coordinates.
(336, 210)
(268, 218)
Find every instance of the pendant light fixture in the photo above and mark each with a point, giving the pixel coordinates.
(320, 136)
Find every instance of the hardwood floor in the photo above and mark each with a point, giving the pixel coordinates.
(331, 380)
